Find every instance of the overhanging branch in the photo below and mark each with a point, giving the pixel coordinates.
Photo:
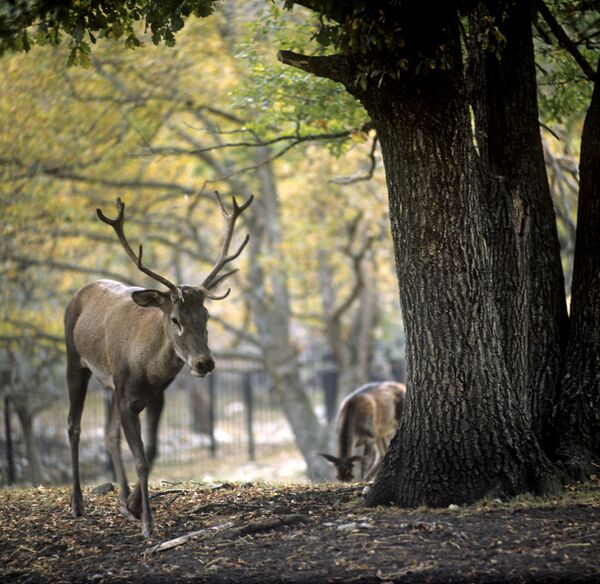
(565, 41)
(334, 67)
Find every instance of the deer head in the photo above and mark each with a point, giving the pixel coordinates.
(184, 315)
(344, 465)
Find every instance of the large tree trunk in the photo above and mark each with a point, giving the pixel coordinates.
(464, 433)
(519, 219)
(578, 413)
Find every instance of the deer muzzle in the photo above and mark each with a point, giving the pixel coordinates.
(200, 366)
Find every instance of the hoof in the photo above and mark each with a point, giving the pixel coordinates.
(77, 507)
(147, 528)
(137, 513)
(134, 506)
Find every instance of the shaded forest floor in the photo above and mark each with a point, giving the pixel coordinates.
(263, 533)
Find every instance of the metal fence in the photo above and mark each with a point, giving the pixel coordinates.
(231, 417)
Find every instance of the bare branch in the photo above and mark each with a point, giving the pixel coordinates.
(65, 173)
(238, 332)
(27, 262)
(348, 180)
(297, 138)
(359, 283)
(35, 331)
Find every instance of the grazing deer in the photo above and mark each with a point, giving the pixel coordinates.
(135, 341)
(368, 417)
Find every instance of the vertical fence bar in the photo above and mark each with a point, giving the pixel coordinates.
(330, 388)
(249, 403)
(10, 455)
(108, 397)
(212, 382)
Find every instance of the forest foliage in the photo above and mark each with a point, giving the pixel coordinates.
(164, 126)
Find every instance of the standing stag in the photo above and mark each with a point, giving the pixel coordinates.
(135, 341)
(367, 419)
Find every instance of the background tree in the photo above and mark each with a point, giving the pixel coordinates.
(162, 147)
(484, 362)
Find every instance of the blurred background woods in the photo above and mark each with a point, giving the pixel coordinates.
(313, 311)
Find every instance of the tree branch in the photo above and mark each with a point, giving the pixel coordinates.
(246, 336)
(348, 180)
(67, 267)
(334, 67)
(359, 280)
(295, 138)
(35, 331)
(565, 41)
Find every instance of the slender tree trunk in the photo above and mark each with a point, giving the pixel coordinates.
(578, 413)
(352, 350)
(366, 317)
(271, 309)
(36, 475)
(464, 433)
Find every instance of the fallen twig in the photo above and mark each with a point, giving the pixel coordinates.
(226, 531)
(168, 492)
(266, 525)
(176, 542)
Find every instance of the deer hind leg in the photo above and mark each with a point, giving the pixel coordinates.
(367, 460)
(77, 382)
(130, 420)
(153, 413)
(112, 440)
(379, 448)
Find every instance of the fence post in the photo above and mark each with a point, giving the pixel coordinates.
(10, 457)
(212, 382)
(108, 398)
(330, 388)
(249, 403)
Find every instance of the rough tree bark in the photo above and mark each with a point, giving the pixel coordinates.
(520, 223)
(578, 413)
(464, 433)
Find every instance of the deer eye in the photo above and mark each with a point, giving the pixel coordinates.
(176, 323)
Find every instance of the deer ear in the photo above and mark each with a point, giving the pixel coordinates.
(330, 458)
(150, 298)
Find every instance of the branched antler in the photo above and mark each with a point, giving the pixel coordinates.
(213, 278)
(117, 225)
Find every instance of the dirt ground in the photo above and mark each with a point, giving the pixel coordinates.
(261, 533)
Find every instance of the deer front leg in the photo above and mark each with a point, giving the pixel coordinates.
(112, 439)
(153, 413)
(77, 381)
(130, 420)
